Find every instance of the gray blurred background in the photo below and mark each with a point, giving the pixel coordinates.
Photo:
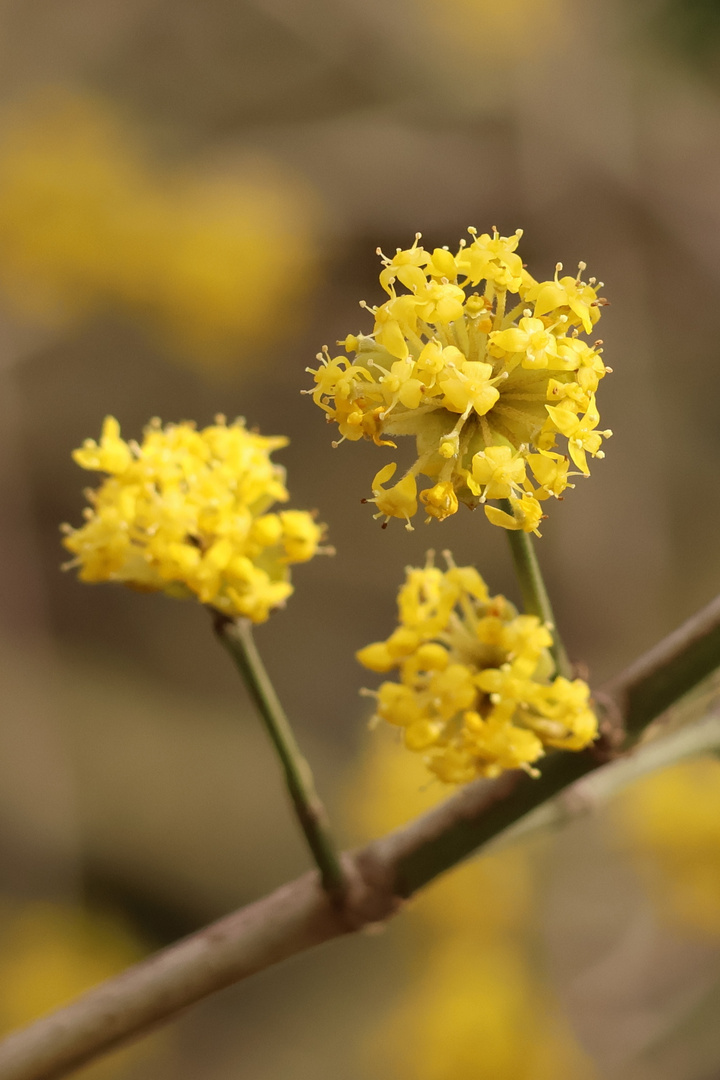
(191, 196)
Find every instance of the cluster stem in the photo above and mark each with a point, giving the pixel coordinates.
(534, 594)
(237, 638)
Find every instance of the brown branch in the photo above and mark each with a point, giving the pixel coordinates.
(296, 917)
(675, 665)
(301, 915)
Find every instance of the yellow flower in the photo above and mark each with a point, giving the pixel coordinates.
(475, 691)
(440, 501)
(497, 473)
(186, 512)
(580, 432)
(539, 345)
(566, 293)
(483, 365)
(398, 501)
(526, 513)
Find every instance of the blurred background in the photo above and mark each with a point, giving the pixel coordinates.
(191, 196)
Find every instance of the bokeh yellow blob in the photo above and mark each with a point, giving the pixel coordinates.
(499, 33)
(477, 1011)
(476, 1006)
(671, 824)
(214, 261)
(51, 953)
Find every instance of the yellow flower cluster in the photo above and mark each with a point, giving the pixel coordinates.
(187, 512)
(476, 693)
(484, 365)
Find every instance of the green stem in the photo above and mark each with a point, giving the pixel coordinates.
(236, 636)
(534, 594)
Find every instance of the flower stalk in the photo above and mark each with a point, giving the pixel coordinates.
(534, 594)
(237, 638)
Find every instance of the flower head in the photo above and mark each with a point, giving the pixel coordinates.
(476, 692)
(485, 367)
(188, 512)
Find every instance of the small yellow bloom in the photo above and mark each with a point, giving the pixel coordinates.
(551, 472)
(526, 514)
(567, 295)
(497, 473)
(531, 338)
(476, 693)
(440, 501)
(398, 501)
(580, 432)
(466, 361)
(186, 512)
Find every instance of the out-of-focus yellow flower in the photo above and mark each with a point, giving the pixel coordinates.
(386, 790)
(51, 953)
(485, 367)
(211, 261)
(476, 694)
(475, 1006)
(517, 28)
(189, 512)
(477, 1011)
(671, 824)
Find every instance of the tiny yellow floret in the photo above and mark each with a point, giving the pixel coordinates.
(477, 692)
(187, 512)
(485, 367)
